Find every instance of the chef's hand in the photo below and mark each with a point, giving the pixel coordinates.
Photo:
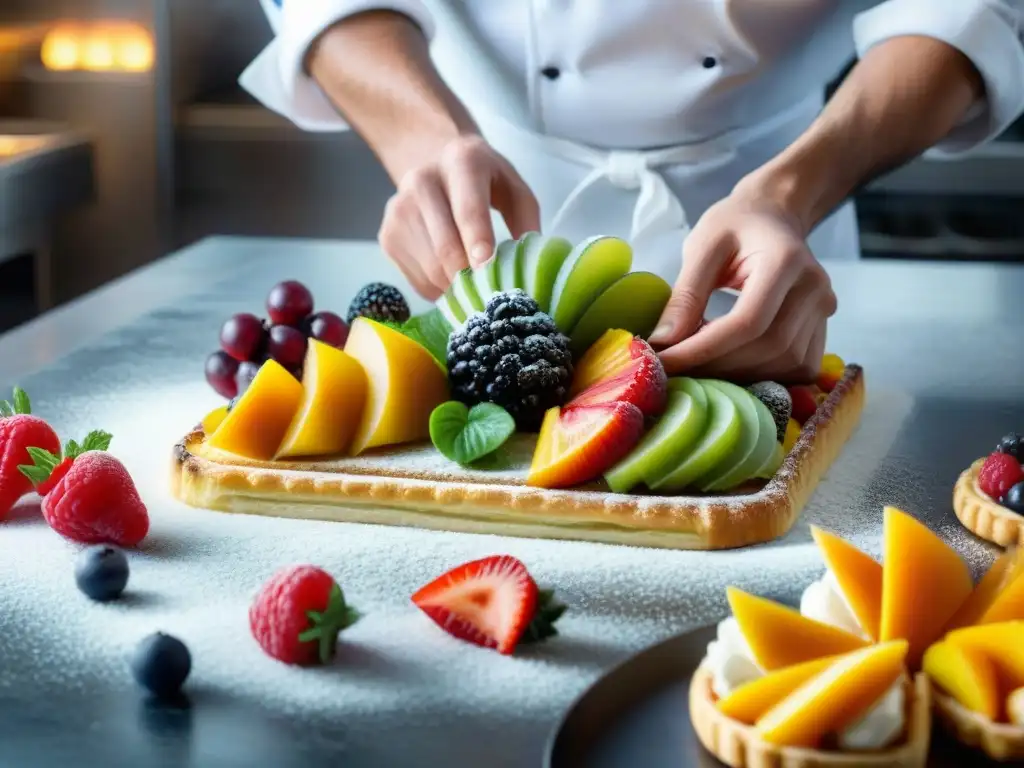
(776, 329)
(439, 220)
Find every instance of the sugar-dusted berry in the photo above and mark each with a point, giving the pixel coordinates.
(999, 473)
(804, 403)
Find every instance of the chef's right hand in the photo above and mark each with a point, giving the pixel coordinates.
(439, 220)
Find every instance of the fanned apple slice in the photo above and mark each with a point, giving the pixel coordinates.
(836, 698)
(592, 266)
(779, 636)
(924, 583)
(633, 303)
(859, 577)
(464, 290)
(508, 255)
(967, 675)
(772, 464)
(751, 701)
(541, 258)
(998, 597)
(486, 280)
(1001, 643)
(757, 440)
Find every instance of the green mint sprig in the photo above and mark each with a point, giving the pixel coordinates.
(466, 435)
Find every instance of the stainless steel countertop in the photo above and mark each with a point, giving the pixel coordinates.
(943, 339)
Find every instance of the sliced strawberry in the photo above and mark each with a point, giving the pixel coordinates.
(606, 357)
(488, 602)
(639, 380)
(579, 443)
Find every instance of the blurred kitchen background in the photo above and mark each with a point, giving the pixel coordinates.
(124, 136)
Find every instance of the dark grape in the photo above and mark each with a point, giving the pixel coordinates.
(221, 370)
(328, 328)
(246, 373)
(287, 346)
(243, 337)
(289, 302)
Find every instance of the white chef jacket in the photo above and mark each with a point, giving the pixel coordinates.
(632, 117)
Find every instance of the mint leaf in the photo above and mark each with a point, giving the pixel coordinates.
(465, 435)
(432, 331)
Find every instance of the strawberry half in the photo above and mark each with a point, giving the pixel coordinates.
(492, 602)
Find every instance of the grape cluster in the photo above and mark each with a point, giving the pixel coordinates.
(247, 341)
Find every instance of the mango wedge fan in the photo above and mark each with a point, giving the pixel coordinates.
(553, 416)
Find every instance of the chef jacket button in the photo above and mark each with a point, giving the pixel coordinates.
(710, 62)
(551, 73)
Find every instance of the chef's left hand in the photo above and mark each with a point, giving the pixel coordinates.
(776, 329)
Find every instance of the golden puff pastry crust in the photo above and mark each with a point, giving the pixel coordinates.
(1002, 742)
(414, 486)
(982, 515)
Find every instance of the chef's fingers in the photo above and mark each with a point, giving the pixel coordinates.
(703, 263)
(816, 349)
(403, 238)
(514, 200)
(751, 317)
(443, 234)
(468, 169)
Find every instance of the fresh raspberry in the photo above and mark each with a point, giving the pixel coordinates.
(804, 403)
(999, 473)
(19, 431)
(88, 495)
(298, 614)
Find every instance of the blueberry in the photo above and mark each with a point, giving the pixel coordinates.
(1014, 498)
(101, 572)
(160, 664)
(1012, 444)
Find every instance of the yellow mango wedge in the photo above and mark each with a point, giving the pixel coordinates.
(859, 577)
(780, 636)
(998, 597)
(924, 583)
(404, 384)
(1001, 643)
(967, 675)
(835, 698)
(750, 701)
(334, 393)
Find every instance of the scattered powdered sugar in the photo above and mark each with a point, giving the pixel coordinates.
(198, 570)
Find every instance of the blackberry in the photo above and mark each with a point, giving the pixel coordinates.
(779, 402)
(1012, 445)
(379, 301)
(511, 354)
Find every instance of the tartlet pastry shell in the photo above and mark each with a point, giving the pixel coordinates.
(446, 497)
(738, 745)
(983, 516)
(1000, 741)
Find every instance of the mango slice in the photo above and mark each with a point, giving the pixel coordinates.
(750, 701)
(998, 597)
(334, 392)
(1015, 706)
(779, 636)
(836, 697)
(924, 583)
(859, 577)
(967, 675)
(1001, 643)
(405, 383)
(214, 419)
(260, 418)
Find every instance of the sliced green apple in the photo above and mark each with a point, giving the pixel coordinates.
(719, 439)
(464, 290)
(450, 308)
(542, 257)
(633, 303)
(771, 466)
(485, 278)
(676, 431)
(508, 254)
(586, 273)
(756, 444)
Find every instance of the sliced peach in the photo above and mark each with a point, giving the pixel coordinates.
(836, 697)
(404, 384)
(1001, 643)
(966, 674)
(859, 577)
(750, 701)
(334, 387)
(579, 444)
(213, 419)
(998, 597)
(260, 418)
(924, 583)
(779, 636)
(627, 371)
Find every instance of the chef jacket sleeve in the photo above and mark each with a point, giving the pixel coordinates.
(277, 78)
(989, 32)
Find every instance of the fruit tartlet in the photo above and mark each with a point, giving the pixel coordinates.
(837, 682)
(989, 495)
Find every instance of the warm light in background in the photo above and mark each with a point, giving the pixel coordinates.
(18, 145)
(98, 47)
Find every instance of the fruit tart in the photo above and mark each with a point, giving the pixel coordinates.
(527, 402)
(989, 495)
(837, 682)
